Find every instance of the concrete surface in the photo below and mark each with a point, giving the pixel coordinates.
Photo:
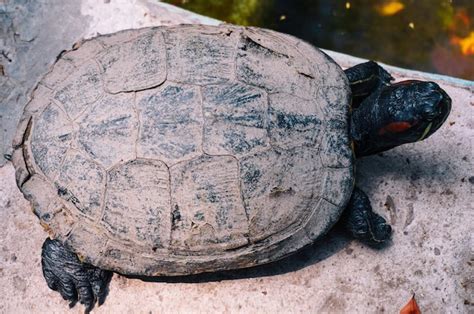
(425, 190)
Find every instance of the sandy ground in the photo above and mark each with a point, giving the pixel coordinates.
(425, 190)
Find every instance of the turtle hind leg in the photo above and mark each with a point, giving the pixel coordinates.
(74, 280)
(364, 79)
(363, 223)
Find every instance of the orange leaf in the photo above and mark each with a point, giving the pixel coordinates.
(390, 8)
(467, 44)
(411, 307)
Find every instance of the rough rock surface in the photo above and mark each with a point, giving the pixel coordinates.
(424, 189)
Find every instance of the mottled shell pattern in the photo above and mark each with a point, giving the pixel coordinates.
(187, 149)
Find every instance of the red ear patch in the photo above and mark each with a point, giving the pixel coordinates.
(395, 127)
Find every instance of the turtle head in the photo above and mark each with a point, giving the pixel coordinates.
(415, 111)
(401, 113)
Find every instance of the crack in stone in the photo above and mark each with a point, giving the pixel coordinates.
(28, 167)
(139, 123)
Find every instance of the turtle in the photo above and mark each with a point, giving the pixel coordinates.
(179, 150)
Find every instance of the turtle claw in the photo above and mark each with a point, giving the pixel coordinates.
(363, 223)
(74, 280)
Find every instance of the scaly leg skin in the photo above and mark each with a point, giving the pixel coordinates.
(74, 280)
(364, 79)
(362, 223)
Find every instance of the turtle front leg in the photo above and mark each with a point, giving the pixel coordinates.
(363, 223)
(364, 79)
(74, 280)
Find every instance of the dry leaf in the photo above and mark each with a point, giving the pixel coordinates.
(411, 307)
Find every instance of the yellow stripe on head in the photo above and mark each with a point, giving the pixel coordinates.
(427, 130)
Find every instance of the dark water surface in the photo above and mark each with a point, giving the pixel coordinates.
(427, 35)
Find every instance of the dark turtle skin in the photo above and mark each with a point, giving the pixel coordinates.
(383, 115)
(403, 112)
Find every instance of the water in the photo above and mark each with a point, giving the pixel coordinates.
(428, 35)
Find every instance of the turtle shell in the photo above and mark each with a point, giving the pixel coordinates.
(179, 150)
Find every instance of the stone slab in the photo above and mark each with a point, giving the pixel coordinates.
(424, 189)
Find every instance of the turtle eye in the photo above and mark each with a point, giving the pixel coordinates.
(395, 127)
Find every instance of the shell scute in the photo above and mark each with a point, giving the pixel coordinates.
(276, 196)
(137, 203)
(52, 136)
(80, 89)
(134, 65)
(81, 182)
(170, 123)
(267, 67)
(199, 56)
(293, 121)
(235, 119)
(208, 213)
(108, 130)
